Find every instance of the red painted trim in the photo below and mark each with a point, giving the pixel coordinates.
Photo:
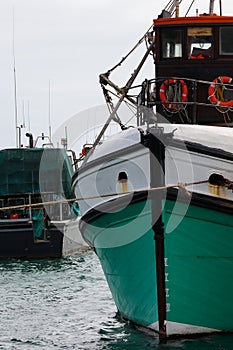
(202, 19)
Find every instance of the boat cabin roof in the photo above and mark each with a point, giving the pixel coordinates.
(197, 20)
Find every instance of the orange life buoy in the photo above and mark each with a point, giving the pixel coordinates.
(212, 91)
(163, 93)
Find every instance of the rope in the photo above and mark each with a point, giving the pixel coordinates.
(219, 92)
(180, 185)
(129, 53)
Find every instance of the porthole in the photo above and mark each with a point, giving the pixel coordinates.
(122, 182)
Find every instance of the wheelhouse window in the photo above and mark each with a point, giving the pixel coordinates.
(171, 43)
(226, 42)
(200, 42)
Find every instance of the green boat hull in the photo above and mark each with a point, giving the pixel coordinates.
(198, 265)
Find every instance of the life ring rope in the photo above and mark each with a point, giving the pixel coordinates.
(216, 89)
(178, 96)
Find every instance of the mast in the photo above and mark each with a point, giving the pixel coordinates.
(15, 85)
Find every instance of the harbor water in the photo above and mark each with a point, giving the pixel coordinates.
(65, 304)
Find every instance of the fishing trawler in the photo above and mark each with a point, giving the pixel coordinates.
(36, 218)
(157, 202)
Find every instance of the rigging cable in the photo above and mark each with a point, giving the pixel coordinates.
(129, 53)
(122, 97)
(189, 8)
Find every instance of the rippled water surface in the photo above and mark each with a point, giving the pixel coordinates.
(66, 304)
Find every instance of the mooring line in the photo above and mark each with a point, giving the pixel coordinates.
(180, 185)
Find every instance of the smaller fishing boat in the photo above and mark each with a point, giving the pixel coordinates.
(36, 218)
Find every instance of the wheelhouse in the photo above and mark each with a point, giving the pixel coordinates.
(198, 50)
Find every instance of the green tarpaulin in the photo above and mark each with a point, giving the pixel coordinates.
(35, 170)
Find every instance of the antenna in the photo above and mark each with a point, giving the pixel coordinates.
(177, 8)
(64, 140)
(220, 7)
(49, 112)
(23, 113)
(15, 83)
(28, 117)
(211, 11)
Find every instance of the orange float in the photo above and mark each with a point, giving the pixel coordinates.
(163, 93)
